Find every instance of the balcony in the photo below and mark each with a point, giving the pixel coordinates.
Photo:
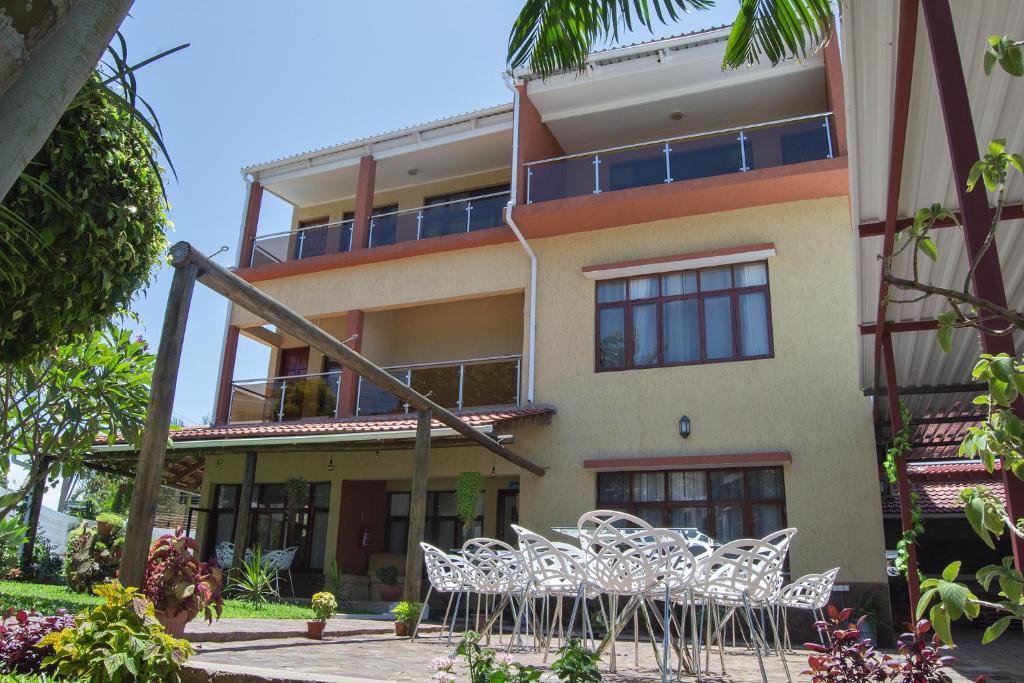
(435, 220)
(477, 383)
(701, 155)
(283, 399)
(306, 242)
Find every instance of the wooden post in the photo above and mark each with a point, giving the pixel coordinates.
(32, 509)
(243, 514)
(154, 437)
(418, 507)
(240, 292)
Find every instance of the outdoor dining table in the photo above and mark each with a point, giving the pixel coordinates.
(695, 538)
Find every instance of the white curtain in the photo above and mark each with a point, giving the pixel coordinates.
(681, 331)
(645, 334)
(753, 324)
(718, 326)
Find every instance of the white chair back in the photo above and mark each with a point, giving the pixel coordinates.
(810, 591)
(548, 568)
(225, 552)
(442, 569)
(492, 567)
(619, 557)
(746, 567)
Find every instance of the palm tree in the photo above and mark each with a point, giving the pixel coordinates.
(554, 36)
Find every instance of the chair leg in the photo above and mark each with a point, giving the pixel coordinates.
(416, 629)
(778, 646)
(455, 615)
(748, 614)
(665, 627)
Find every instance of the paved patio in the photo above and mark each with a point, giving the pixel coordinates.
(376, 657)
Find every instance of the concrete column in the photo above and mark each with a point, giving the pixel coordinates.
(364, 203)
(349, 378)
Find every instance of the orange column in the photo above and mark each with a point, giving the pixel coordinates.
(835, 95)
(349, 378)
(536, 141)
(364, 203)
(227, 373)
(252, 217)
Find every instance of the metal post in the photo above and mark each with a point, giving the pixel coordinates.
(302, 241)
(529, 184)
(370, 240)
(597, 174)
(668, 163)
(828, 136)
(469, 215)
(743, 151)
(462, 379)
(280, 405)
(419, 224)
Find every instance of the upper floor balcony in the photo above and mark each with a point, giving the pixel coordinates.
(686, 157)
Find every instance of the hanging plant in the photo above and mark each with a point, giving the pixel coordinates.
(296, 493)
(467, 496)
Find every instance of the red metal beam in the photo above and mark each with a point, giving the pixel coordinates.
(987, 281)
(902, 482)
(1011, 212)
(901, 326)
(906, 40)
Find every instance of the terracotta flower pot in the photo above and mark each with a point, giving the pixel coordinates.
(315, 629)
(401, 629)
(174, 624)
(390, 593)
(104, 528)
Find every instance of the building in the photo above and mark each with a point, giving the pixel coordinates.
(665, 319)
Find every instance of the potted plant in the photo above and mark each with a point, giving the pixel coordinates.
(108, 523)
(467, 498)
(389, 589)
(179, 585)
(406, 615)
(870, 617)
(324, 605)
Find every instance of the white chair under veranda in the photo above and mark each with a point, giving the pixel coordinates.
(810, 592)
(445, 574)
(225, 552)
(494, 571)
(280, 562)
(742, 576)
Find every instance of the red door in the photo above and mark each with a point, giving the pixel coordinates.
(294, 361)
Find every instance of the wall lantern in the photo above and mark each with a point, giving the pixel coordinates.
(684, 426)
(330, 464)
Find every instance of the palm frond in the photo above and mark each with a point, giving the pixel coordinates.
(556, 36)
(777, 30)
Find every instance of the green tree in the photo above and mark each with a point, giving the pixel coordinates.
(554, 36)
(55, 409)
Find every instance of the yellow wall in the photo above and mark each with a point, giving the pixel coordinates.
(805, 400)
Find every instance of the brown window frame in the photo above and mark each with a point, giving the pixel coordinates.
(432, 521)
(667, 504)
(626, 304)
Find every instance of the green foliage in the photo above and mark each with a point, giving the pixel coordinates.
(116, 522)
(47, 564)
(118, 640)
(467, 497)
(900, 447)
(993, 167)
(337, 586)
(252, 582)
(778, 29)
(1000, 438)
(12, 537)
(92, 558)
(297, 493)
(485, 665)
(408, 612)
(96, 386)
(95, 201)
(324, 606)
(177, 582)
(388, 575)
(576, 663)
(1006, 52)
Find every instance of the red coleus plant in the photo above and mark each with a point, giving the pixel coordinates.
(846, 657)
(177, 582)
(20, 631)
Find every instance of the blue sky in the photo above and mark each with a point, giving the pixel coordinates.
(263, 79)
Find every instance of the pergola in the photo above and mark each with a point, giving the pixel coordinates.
(920, 105)
(190, 266)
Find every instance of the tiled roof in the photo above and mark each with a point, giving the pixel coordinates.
(947, 468)
(353, 425)
(939, 497)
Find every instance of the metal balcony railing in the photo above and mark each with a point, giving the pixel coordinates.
(280, 399)
(472, 383)
(701, 155)
(306, 242)
(447, 218)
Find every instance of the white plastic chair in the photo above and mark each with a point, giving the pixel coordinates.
(225, 552)
(445, 575)
(744, 575)
(279, 561)
(810, 592)
(493, 570)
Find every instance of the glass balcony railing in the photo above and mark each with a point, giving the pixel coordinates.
(448, 218)
(306, 242)
(473, 383)
(702, 155)
(280, 399)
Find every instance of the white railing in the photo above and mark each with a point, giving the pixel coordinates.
(280, 399)
(305, 242)
(435, 220)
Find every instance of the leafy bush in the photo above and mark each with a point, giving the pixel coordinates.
(46, 563)
(12, 537)
(408, 612)
(116, 522)
(177, 582)
(846, 657)
(388, 575)
(117, 642)
(92, 558)
(483, 665)
(20, 631)
(253, 583)
(576, 663)
(324, 605)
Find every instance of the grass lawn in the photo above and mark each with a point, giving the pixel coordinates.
(47, 599)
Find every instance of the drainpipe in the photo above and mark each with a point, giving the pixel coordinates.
(514, 187)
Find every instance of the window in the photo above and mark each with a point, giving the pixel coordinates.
(443, 528)
(724, 504)
(271, 525)
(185, 498)
(311, 238)
(692, 316)
(446, 214)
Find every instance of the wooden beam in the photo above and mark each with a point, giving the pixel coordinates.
(262, 334)
(1011, 212)
(243, 515)
(154, 437)
(234, 288)
(417, 508)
